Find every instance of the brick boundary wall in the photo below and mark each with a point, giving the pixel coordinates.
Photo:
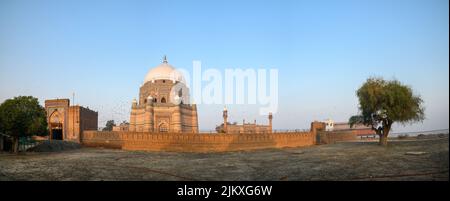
(331, 137)
(189, 142)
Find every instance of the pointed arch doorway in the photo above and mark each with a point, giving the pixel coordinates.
(56, 126)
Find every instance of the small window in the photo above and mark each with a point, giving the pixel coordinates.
(164, 81)
(163, 100)
(163, 128)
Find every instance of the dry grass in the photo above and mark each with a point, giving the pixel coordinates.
(341, 161)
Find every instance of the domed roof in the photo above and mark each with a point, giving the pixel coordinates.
(164, 71)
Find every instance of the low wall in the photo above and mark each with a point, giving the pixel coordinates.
(189, 142)
(330, 137)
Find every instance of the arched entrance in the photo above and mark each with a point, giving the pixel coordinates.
(56, 126)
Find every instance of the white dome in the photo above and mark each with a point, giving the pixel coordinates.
(164, 71)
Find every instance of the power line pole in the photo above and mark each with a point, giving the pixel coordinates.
(73, 114)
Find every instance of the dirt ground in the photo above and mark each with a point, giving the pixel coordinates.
(341, 161)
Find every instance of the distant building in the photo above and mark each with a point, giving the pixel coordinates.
(124, 126)
(329, 125)
(360, 129)
(67, 122)
(228, 127)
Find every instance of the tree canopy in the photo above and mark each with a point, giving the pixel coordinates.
(23, 116)
(381, 103)
(109, 125)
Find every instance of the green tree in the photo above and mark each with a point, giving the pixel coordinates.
(22, 116)
(109, 125)
(381, 103)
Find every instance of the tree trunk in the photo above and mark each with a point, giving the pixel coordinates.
(383, 140)
(384, 135)
(15, 145)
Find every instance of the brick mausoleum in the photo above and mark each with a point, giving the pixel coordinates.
(163, 104)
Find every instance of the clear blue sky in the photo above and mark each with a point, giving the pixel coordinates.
(323, 50)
